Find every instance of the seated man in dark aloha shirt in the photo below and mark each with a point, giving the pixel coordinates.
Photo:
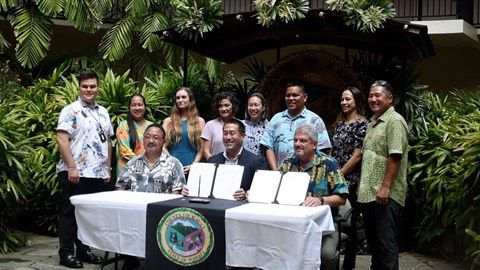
(327, 185)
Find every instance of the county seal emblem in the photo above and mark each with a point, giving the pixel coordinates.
(185, 237)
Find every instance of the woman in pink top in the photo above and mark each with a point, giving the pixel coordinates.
(225, 105)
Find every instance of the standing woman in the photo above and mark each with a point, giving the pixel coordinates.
(255, 122)
(130, 132)
(346, 149)
(183, 129)
(226, 105)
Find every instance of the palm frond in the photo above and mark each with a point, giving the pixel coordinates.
(195, 18)
(83, 15)
(151, 24)
(3, 43)
(7, 4)
(51, 7)
(33, 32)
(118, 39)
(138, 7)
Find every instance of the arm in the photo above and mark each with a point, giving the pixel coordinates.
(393, 164)
(200, 151)
(165, 124)
(353, 162)
(63, 141)
(206, 148)
(332, 200)
(271, 159)
(109, 160)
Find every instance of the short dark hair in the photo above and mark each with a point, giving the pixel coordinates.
(156, 125)
(86, 75)
(299, 84)
(385, 85)
(241, 126)
(228, 96)
(264, 104)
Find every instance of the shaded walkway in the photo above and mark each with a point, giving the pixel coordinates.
(42, 255)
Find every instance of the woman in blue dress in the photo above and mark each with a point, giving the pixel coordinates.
(183, 129)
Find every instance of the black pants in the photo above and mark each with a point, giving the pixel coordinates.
(67, 231)
(382, 227)
(351, 244)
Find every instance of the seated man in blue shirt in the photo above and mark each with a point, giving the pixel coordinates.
(327, 185)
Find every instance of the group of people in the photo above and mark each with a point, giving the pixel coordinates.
(365, 162)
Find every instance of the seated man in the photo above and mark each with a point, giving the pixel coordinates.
(327, 185)
(235, 154)
(154, 171)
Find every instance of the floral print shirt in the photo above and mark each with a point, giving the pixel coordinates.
(166, 176)
(254, 132)
(280, 130)
(124, 149)
(85, 125)
(345, 139)
(325, 176)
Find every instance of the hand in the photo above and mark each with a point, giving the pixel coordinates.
(73, 175)
(186, 169)
(184, 191)
(382, 195)
(312, 201)
(240, 195)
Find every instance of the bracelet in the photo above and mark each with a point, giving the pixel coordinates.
(322, 201)
(71, 168)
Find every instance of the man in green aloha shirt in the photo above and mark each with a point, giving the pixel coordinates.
(327, 185)
(383, 182)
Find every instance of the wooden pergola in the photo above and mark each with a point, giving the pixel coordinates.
(241, 36)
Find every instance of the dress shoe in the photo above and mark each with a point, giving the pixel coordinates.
(71, 261)
(88, 257)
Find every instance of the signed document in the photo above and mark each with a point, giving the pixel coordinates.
(200, 179)
(270, 186)
(228, 180)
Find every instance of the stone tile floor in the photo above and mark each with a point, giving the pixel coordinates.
(41, 254)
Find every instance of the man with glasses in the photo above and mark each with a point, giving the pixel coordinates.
(83, 137)
(155, 171)
(383, 184)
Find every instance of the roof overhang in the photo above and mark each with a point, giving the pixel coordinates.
(241, 36)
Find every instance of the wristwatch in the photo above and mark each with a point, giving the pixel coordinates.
(321, 200)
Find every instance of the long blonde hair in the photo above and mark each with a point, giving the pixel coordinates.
(174, 130)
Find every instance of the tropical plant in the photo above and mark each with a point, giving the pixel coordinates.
(270, 11)
(364, 15)
(445, 171)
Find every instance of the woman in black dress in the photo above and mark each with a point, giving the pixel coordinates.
(347, 143)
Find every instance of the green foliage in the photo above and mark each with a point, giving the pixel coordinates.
(445, 169)
(364, 15)
(195, 18)
(474, 250)
(269, 11)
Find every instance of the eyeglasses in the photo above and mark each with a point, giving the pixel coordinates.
(380, 82)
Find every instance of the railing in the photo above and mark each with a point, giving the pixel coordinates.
(413, 10)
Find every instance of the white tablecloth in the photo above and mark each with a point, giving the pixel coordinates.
(272, 236)
(115, 220)
(262, 235)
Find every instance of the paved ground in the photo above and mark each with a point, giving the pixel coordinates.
(41, 254)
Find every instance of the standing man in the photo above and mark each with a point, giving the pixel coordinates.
(383, 183)
(327, 185)
(83, 137)
(278, 136)
(155, 170)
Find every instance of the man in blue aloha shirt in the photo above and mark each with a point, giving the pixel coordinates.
(278, 135)
(327, 185)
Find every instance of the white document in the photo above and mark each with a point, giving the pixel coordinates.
(293, 188)
(264, 186)
(200, 179)
(227, 181)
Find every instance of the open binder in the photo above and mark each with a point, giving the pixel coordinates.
(208, 180)
(279, 187)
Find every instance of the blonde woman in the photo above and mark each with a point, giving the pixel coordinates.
(183, 129)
